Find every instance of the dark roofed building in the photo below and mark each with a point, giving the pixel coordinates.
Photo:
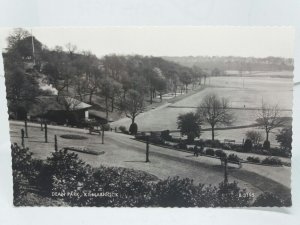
(60, 110)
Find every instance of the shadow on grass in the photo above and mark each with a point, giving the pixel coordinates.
(140, 161)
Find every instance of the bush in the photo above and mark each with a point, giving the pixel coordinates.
(73, 136)
(133, 129)
(253, 159)
(165, 134)
(237, 148)
(266, 145)
(220, 153)
(175, 192)
(230, 195)
(248, 145)
(210, 151)
(213, 143)
(267, 200)
(272, 161)
(106, 127)
(233, 158)
(123, 129)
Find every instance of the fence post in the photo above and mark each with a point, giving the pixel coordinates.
(22, 138)
(46, 132)
(55, 143)
(147, 149)
(102, 134)
(26, 129)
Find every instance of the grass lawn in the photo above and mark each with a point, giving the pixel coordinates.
(121, 151)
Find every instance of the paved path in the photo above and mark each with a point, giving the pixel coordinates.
(122, 151)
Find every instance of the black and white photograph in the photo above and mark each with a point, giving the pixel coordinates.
(150, 116)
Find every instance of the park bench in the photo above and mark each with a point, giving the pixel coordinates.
(229, 141)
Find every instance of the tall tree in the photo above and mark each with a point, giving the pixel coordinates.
(269, 118)
(190, 125)
(215, 111)
(132, 105)
(285, 138)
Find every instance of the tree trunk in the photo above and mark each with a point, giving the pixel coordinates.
(160, 95)
(267, 135)
(212, 133)
(91, 96)
(112, 104)
(186, 91)
(132, 120)
(150, 95)
(106, 106)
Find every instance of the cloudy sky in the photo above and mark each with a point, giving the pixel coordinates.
(174, 41)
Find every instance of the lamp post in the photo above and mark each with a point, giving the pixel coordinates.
(147, 147)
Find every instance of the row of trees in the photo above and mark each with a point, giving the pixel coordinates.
(109, 82)
(215, 111)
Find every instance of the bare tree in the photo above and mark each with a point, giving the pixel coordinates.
(215, 111)
(269, 118)
(254, 136)
(133, 104)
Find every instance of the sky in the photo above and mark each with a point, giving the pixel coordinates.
(174, 41)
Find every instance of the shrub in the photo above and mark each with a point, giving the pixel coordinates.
(213, 143)
(267, 199)
(253, 159)
(165, 134)
(123, 129)
(233, 158)
(63, 172)
(73, 136)
(266, 145)
(210, 151)
(133, 129)
(248, 145)
(237, 148)
(230, 195)
(175, 192)
(106, 127)
(220, 153)
(272, 161)
(226, 146)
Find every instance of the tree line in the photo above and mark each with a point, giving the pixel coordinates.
(113, 82)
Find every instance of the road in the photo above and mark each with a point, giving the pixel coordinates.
(122, 151)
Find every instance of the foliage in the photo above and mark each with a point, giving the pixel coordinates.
(272, 161)
(233, 158)
(123, 129)
(213, 143)
(266, 145)
(73, 136)
(133, 129)
(253, 159)
(190, 125)
(64, 172)
(248, 145)
(254, 136)
(230, 195)
(220, 153)
(285, 138)
(215, 111)
(165, 134)
(267, 200)
(132, 105)
(269, 118)
(210, 151)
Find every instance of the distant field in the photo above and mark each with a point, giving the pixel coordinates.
(245, 92)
